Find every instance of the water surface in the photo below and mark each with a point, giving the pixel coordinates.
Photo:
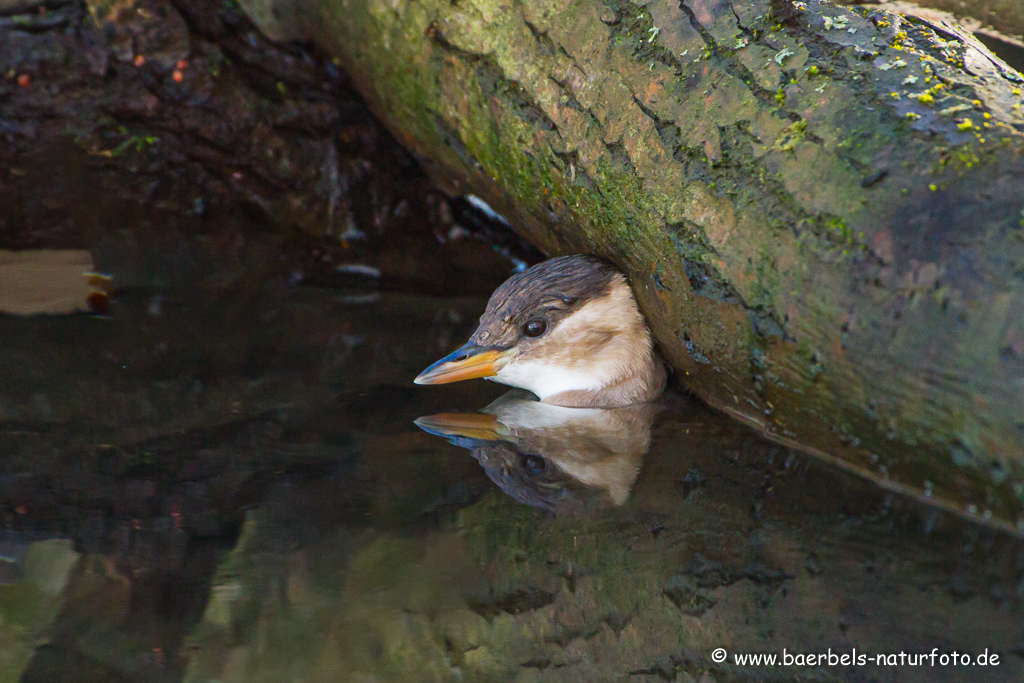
(229, 485)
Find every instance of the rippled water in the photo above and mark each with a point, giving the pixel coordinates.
(229, 485)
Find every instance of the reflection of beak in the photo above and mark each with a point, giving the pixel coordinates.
(468, 425)
(466, 363)
(467, 430)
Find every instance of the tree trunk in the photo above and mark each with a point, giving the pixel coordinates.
(820, 208)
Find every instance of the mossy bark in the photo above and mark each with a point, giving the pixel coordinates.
(820, 208)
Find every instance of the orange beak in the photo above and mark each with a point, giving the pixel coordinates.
(468, 362)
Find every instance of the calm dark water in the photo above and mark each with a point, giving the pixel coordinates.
(227, 484)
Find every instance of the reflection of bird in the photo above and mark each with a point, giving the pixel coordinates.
(567, 329)
(547, 456)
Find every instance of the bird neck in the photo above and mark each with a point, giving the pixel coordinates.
(645, 383)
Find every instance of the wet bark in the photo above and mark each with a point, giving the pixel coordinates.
(819, 207)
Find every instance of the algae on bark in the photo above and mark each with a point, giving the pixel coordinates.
(820, 208)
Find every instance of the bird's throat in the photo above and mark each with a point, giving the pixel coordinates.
(635, 376)
(548, 379)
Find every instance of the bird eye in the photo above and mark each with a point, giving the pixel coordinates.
(535, 327)
(534, 464)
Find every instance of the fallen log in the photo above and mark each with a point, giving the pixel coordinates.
(819, 207)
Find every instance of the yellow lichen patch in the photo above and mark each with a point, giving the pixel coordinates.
(928, 96)
(792, 134)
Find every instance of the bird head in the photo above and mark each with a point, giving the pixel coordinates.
(568, 328)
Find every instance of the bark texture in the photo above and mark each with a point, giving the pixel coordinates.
(820, 208)
(1005, 16)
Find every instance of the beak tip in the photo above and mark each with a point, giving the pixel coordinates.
(468, 362)
(428, 376)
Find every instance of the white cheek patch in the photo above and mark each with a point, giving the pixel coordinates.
(547, 380)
